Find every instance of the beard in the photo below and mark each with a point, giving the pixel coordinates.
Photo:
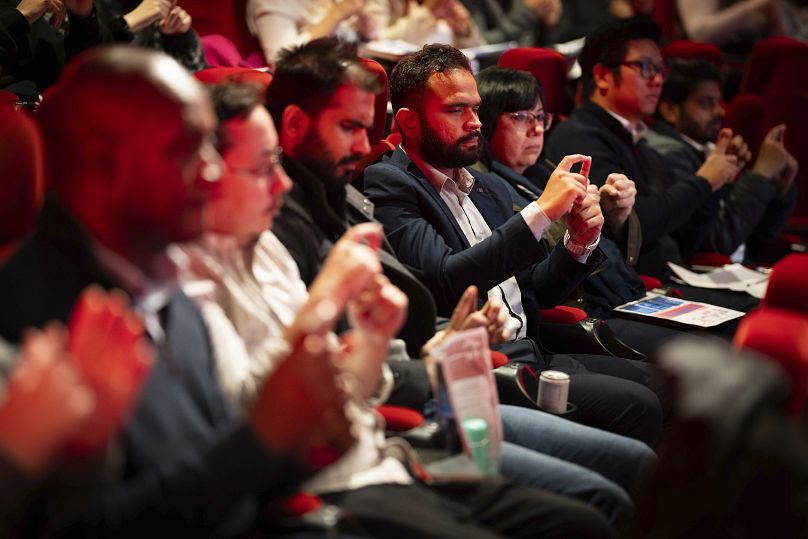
(449, 155)
(315, 156)
(709, 133)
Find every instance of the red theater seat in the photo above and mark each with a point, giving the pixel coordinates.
(550, 69)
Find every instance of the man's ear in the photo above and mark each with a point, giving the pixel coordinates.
(295, 124)
(669, 112)
(603, 77)
(408, 123)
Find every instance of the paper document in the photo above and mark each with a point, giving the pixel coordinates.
(730, 277)
(682, 311)
(465, 362)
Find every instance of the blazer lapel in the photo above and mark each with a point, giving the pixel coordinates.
(406, 163)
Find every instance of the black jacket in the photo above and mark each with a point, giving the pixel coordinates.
(750, 205)
(675, 212)
(190, 465)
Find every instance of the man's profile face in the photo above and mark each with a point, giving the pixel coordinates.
(336, 140)
(701, 114)
(173, 178)
(450, 126)
(633, 96)
(251, 190)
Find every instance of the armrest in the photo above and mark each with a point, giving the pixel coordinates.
(589, 336)
(400, 418)
(713, 260)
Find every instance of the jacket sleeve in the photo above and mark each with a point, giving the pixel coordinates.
(400, 205)
(660, 211)
(192, 495)
(13, 39)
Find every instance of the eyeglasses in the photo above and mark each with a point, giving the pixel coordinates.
(542, 119)
(648, 70)
(266, 171)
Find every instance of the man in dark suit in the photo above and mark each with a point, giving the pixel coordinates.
(687, 128)
(136, 175)
(455, 227)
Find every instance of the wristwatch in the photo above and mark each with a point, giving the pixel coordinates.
(576, 249)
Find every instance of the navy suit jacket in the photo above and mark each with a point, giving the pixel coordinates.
(426, 237)
(190, 466)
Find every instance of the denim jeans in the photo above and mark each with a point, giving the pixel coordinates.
(566, 458)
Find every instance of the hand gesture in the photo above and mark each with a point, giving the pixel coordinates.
(44, 403)
(585, 220)
(350, 266)
(617, 198)
(456, 16)
(177, 22)
(565, 188)
(774, 161)
(738, 147)
(492, 316)
(380, 308)
(32, 10)
(147, 12)
(300, 409)
(720, 167)
(111, 354)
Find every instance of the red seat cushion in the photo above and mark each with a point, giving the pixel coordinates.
(498, 359)
(400, 418)
(782, 336)
(563, 315)
(788, 284)
(694, 50)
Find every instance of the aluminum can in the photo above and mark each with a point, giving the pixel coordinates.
(554, 390)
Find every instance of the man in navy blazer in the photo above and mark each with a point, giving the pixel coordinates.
(455, 227)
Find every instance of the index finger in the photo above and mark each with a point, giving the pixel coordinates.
(569, 160)
(369, 234)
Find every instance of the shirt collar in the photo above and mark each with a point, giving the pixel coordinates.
(637, 130)
(704, 149)
(150, 290)
(460, 185)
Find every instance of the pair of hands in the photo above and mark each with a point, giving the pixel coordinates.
(774, 161)
(569, 196)
(548, 11)
(466, 316)
(301, 408)
(173, 19)
(72, 391)
(32, 10)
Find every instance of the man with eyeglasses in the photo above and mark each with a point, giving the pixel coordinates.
(455, 227)
(622, 80)
(686, 129)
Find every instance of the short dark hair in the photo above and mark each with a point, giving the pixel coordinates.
(309, 74)
(685, 75)
(505, 90)
(233, 100)
(409, 78)
(608, 46)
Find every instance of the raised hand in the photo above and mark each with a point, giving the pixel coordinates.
(110, 352)
(178, 21)
(45, 401)
(617, 198)
(147, 12)
(32, 10)
(774, 161)
(720, 167)
(350, 266)
(565, 188)
(585, 220)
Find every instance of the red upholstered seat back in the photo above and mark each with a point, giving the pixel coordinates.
(788, 285)
(548, 66)
(782, 336)
(223, 17)
(695, 51)
(376, 133)
(216, 75)
(778, 66)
